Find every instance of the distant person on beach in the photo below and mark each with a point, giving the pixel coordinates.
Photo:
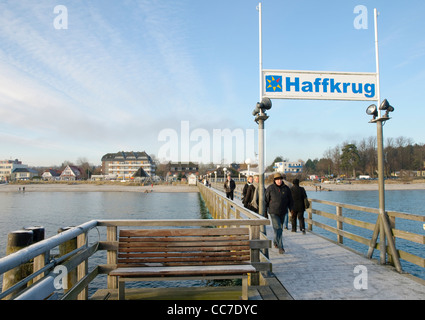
(251, 199)
(278, 200)
(245, 189)
(229, 187)
(299, 195)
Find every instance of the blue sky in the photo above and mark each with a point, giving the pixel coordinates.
(122, 72)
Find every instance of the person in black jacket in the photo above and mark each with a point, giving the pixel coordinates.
(298, 194)
(229, 187)
(245, 190)
(278, 200)
(251, 199)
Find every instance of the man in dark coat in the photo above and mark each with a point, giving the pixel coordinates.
(278, 200)
(229, 187)
(251, 199)
(298, 194)
(245, 190)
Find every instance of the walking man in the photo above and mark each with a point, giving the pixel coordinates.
(299, 195)
(229, 187)
(278, 200)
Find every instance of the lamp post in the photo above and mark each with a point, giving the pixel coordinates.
(260, 117)
(384, 223)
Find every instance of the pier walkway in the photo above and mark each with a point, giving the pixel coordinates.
(315, 268)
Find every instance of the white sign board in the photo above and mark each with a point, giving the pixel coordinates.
(319, 85)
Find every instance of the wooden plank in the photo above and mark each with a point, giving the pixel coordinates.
(266, 293)
(183, 270)
(186, 259)
(182, 249)
(184, 254)
(183, 232)
(216, 244)
(188, 238)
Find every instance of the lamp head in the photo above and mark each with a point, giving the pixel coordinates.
(256, 110)
(372, 110)
(266, 104)
(385, 105)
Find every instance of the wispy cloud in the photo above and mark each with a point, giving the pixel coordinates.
(98, 78)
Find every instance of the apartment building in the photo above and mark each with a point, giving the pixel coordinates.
(123, 165)
(288, 167)
(7, 166)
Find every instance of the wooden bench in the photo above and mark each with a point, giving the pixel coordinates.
(181, 254)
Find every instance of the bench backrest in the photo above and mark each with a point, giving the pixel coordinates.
(191, 246)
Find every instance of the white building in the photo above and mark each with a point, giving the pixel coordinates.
(289, 167)
(7, 166)
(125, 164)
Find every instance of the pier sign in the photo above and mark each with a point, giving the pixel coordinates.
(319, 85)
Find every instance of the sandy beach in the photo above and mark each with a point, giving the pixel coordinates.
(117, 187)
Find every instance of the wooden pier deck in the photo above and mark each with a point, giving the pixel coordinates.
(314, 268)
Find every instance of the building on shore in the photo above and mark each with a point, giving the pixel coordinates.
(70, 173)
(287, 167)
(181, 170)
(123, 165)
(7, 167)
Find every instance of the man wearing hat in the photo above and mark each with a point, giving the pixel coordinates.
(278, 200)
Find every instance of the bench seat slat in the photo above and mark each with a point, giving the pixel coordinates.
(183, 270)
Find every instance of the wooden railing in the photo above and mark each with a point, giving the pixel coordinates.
(341, 218)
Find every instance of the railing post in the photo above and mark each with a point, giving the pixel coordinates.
(111, 255)
(255, 254)
(392, 226)
(339, 224)
(83, 268)
(227, 215)
(310, 217)
(65, 248)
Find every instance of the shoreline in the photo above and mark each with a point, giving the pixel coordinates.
(365, 186)
(87, 187)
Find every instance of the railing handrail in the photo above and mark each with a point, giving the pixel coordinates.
(183, 222)
(16, 259)
(341, 233)
(397, 214)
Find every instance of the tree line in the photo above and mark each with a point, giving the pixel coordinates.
(351, 159)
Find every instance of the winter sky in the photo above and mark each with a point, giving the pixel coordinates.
(79, 79)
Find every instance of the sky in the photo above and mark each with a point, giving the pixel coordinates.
(80, 79)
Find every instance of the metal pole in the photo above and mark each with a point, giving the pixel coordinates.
(380, 145)
(260, 49)
(378, 87)
(261, 120)
(385, 229)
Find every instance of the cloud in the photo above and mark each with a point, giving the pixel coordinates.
(116, 73)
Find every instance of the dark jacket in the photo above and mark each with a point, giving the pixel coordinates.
(298, 194)
(249, 201)
(244, 191)
(229, 186)
(278, 199)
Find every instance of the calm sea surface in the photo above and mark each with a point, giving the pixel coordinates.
(55, 210)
